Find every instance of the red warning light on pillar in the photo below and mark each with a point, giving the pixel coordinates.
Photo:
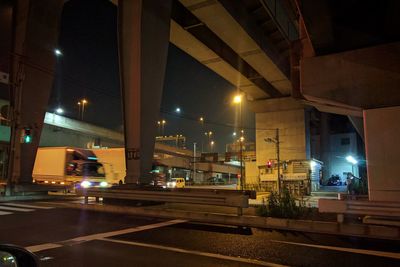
(269, 164)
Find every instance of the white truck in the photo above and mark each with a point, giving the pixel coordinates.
(113, 160)
(68, 166)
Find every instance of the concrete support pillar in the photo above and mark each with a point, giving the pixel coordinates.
(290, 117)
(144, 38)
(36, 25)
(382, 130)
(325, 145)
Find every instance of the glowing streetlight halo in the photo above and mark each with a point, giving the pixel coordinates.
(351, 159)
(58, 52)
(237, 99)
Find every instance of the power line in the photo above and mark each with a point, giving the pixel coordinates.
(68, 79)
(73, 81)
(210, 122)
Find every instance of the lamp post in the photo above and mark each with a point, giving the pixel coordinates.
(237, 99)
(194, 162)
(161, 125)
(202, 129)
(353, 162)
(209, 134)
(79, 109)
(212, 146)
(277, 143)
(84, 102)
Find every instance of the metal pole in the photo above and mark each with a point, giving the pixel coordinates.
(194, 162)
(241, 147)
(83, 109)
(202, 137)
(278, 159)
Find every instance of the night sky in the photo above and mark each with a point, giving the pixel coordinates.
(89, 69)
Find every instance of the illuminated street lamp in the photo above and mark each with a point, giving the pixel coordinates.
(84, 102)
(352, 161)
(59, 110)
(79, 109)
(161, 125)
(212, 145)
(237, 99)
(163, 122)
(209, 134)
(57, 52)
(81, 105)
(178, 110)
(201, 120)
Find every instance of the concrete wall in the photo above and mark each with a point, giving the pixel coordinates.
(292, 134)
(382, 131)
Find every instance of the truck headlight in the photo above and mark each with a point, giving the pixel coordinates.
(103, 184)
(86, 184)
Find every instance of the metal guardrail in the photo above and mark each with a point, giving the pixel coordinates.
(228, 198)
(359, 207)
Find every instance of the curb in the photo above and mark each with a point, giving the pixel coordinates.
(320, 227)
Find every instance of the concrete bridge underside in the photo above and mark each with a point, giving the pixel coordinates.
(354, 69)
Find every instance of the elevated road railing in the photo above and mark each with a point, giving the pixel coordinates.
(359, 207)
(227, 198)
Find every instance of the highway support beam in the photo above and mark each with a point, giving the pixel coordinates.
(288, 115)
(143, 38)
(363, 83)
(291, 117)
(35, 36)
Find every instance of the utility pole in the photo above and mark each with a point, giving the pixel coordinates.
(278, 159)
(277, 143)
(194, 162)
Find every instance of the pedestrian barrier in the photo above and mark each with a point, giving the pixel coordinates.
(359, 207)
(228, 198)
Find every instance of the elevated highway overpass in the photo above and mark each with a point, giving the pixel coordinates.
(245, 42)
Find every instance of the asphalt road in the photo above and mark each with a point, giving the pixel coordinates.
(71, 237)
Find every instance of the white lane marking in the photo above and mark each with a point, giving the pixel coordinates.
(193, 252)
(5, 213)
(125, 231)
(14, 209)
(27, 206)
(81, 239)
(393, 255)
(41, 247)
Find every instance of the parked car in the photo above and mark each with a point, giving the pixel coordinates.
(335, 180)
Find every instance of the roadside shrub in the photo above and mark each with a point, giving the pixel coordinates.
(282, 206)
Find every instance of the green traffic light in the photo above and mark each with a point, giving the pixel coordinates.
(27, 139)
